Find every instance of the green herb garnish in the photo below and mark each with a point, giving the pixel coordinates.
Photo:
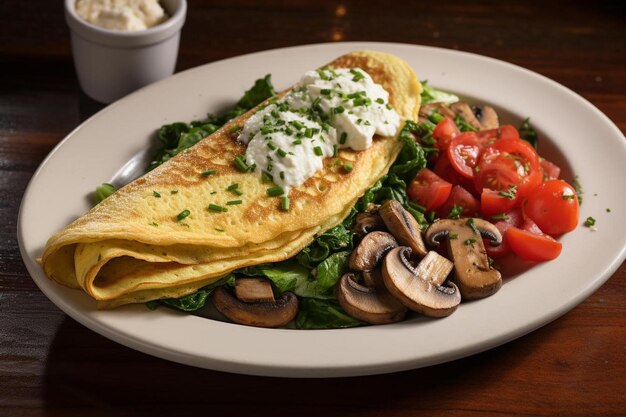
(217, 208)
(275, 191)
(103, 191)
(510, 193)
(182, 215)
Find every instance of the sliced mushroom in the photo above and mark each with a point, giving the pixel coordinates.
(373, 278)
(257, 313)
(413, 286)
(481, 117)
(367, 222)
(403, 226)
(473, 273)
(371, 305)
(371, 250)
(486, 116)
(254, 289)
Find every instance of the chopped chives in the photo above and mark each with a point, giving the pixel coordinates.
(265, 177)
(183, 214)
(318, 151)
(284, 203)
(322, 74)
(347, 166)
(275, 191)
(343, 138)
(234, 128)
(282, 175)
(240, 163)
(380, 101)
(208, 172)
(297, 124)
(281, 153)
(216, 208)
(234, 188)
(335, 150)
(308, 132)
(233, 202)
(156, 194)
(297, 142)
(357, 75)
(500, 216)
(174, 192)
(219, 229)
(338, 110)
(271, 145)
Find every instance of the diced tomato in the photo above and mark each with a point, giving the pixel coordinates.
(549, 170)
(531, 246)
(444, 169)
(507, 165)
(463, 153)
(429, 190)
(444, 132)
(460, 198)
(488, 137)
(553, 206)
(503, 221)
(508, 132)
(495, 202)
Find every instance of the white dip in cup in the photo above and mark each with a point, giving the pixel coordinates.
(111, 63)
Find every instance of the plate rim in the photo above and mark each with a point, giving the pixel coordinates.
(304, 371)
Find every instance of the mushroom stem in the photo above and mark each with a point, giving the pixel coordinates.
(473, 273)
(413, 286)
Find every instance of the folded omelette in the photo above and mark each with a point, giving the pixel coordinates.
(155, 237)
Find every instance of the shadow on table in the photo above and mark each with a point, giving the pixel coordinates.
(87, 374)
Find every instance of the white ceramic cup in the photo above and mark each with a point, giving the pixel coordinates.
(110, 64)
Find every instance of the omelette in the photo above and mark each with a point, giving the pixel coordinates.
(173, 231)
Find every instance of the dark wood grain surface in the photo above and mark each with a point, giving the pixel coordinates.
(51, 365)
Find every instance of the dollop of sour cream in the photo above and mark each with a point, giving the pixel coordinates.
(122, 15)
(327, 110)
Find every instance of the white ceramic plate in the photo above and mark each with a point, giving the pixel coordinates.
(595, 150)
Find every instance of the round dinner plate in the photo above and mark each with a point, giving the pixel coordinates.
(572, 132)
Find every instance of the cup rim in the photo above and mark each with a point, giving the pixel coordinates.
(119, 38)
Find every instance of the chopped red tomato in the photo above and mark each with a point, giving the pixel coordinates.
(495, 202)
(503, 221)
(463, 153)
(509, 165)
(444, 169)
(549, 170)
(531, 246)
(488, 137)
(429, 190)
(460, 203)
(553, 206)
(444, 132)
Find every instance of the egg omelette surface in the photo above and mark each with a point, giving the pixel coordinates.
(133, 247)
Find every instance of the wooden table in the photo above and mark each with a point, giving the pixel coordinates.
(51, 365)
